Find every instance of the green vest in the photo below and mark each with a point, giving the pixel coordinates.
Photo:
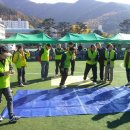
(125, 60)
(73, 56)
(92, 57)
(58, 57)
(4, 80)
(20, 62)
(112, 54)
(67, 60)
(45, 55)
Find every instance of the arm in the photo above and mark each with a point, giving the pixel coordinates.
(15, 58)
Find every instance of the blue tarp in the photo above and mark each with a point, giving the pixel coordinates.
(70, 101)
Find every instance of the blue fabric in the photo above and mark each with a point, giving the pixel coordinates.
(70, 101)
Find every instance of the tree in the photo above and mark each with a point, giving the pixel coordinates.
(98, 32)
(47, 24)
(63, 28)
(36, 31)
(125, 26)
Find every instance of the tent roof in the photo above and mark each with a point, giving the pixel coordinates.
(29, 38)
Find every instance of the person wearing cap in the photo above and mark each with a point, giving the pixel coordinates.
(44, 56)
(91, 63)
(58, 54)
(101, 52)
(127, 64)
(19, 59)
(109, 58)
(5, 82)
(65, 64)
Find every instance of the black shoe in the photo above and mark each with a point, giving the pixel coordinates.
(14, 119)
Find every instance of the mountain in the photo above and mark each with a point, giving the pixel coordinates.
(89, 11)
(11, 14)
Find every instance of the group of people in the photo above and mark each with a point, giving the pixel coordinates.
(63, 60)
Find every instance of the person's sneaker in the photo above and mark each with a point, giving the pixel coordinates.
(1, 119)
(21, 85)
(26, 83)
(14, 119)
(63, 86)
(43, 79)
(110, 82)
(94, 83)
(128, 84)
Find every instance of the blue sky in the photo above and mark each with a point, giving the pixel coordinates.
(72, 1)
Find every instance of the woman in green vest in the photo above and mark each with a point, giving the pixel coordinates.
(109, 58)
(19, 59)
(91, 63)
(5, 82)
(65, 64)
(127, 65)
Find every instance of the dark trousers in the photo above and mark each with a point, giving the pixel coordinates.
(57, 63)
(128, 74)
(7, 93)
(101, 66)
(72, 66)
(64, 75)
(44, 69)
(21, 75)
(94, 71)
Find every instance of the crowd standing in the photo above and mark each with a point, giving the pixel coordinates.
(64, 59)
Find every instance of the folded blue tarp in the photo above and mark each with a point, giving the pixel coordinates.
(70, 101)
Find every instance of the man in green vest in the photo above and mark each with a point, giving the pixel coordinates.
(5, 82)
(58, 54)
(109, 58)
(92, 58)
(127, 64)
(44, 55)
(65, 64)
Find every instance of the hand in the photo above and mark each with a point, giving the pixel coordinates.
(6, 73)
(12, 72)
(62, 69)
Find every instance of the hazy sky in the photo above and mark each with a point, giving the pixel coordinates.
(72, 1)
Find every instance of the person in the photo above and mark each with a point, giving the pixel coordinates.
(73, 58)
(44, 56)
(19, 59)
(101, 52)
(65, 64)
(58, 54)
(37, 53)
(92, 58)
(109, 58)
(5, 83)
(127, 64)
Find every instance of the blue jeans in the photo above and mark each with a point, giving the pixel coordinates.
(44, 69)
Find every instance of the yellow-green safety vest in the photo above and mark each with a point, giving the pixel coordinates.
(58, 57)
(112, 54)
(92, 57)
(67, 60)
(4, 80)
(125, 60)
(20, 60)
(45, 55)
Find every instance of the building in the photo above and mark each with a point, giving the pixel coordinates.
(2, 31)
(15, 24)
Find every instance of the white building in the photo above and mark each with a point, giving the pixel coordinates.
(15, 24)
(2, 31)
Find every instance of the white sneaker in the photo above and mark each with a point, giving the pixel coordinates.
(1, 119)
(63, 86)
(94, 83)
(128, 84)
(14, 119)
(43, 79)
